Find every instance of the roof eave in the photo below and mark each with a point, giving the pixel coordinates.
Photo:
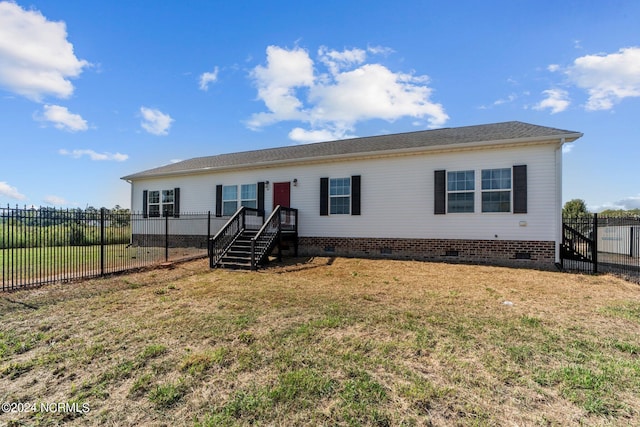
(561, 138)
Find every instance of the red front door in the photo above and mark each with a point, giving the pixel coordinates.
(282, 194)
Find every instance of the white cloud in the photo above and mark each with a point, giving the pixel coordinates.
(567, 148)
(333, 103)
(608, 78)
(553, 68)
(35, 57)
(380, 50)
(372, 91)
(509, 99)
(336, 60)
(628, 203)
(557, 100)
(207, 78)
(11, 192)
(93, 155)
(155, 122)
(55, 200)
(285, 71)
(63, 119)
(304, 136)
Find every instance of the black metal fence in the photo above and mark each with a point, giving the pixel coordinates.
(595, 244)
(46, 245)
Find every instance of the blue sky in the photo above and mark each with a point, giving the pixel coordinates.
(92, 91)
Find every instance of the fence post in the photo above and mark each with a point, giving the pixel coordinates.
(166, 238)
(208, 229)
(594, 247)
(253, 253)
(102, 242)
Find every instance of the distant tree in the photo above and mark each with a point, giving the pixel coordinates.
(575, 208)
(620, 212)
(120, 216)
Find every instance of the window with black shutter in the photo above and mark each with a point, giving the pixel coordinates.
(261, 197)
(145, 208)
(520, 189)
(440, 192)
(324, 196)
(355, 195)
(218, 200)
(340, 196)
(157, 203)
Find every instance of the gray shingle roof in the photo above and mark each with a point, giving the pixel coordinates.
(427, 139)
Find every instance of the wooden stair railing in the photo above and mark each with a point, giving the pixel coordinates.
(224, 239)
(282, 220)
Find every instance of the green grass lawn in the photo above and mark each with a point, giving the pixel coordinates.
(326, 342)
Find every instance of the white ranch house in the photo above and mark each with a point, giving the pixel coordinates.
(488, 193)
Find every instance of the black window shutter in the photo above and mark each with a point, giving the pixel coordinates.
(439, 192)
(176, 202)
(324, 196)
(355, 195)
(145, 200)
(261, 197)
(218, 200)
(520, 189)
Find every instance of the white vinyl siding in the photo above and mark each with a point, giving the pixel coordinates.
(397, 194)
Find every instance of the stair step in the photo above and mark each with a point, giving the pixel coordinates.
(238, 256)
(234, 266)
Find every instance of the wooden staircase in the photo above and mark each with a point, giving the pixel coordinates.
(239, 247)
(238, 256)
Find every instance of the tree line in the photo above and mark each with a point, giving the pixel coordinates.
(577, 208)
(28, 228)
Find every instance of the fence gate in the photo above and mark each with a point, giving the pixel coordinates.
(579, 248)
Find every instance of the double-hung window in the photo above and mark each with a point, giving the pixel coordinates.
(232, 199)
(249, 196)
(160, 201)
(167, 202)
(339, 196)
(154, 204)
(496, 190)
(229, 199)
(460, 191)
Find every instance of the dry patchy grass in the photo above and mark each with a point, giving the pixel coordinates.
(326, 342)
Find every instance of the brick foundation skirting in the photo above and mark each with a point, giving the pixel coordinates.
(175, 240)
(538, 254)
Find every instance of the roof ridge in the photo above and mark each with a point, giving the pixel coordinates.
(365, 137)
(491, 132)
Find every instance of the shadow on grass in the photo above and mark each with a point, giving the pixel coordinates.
(288, 265)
